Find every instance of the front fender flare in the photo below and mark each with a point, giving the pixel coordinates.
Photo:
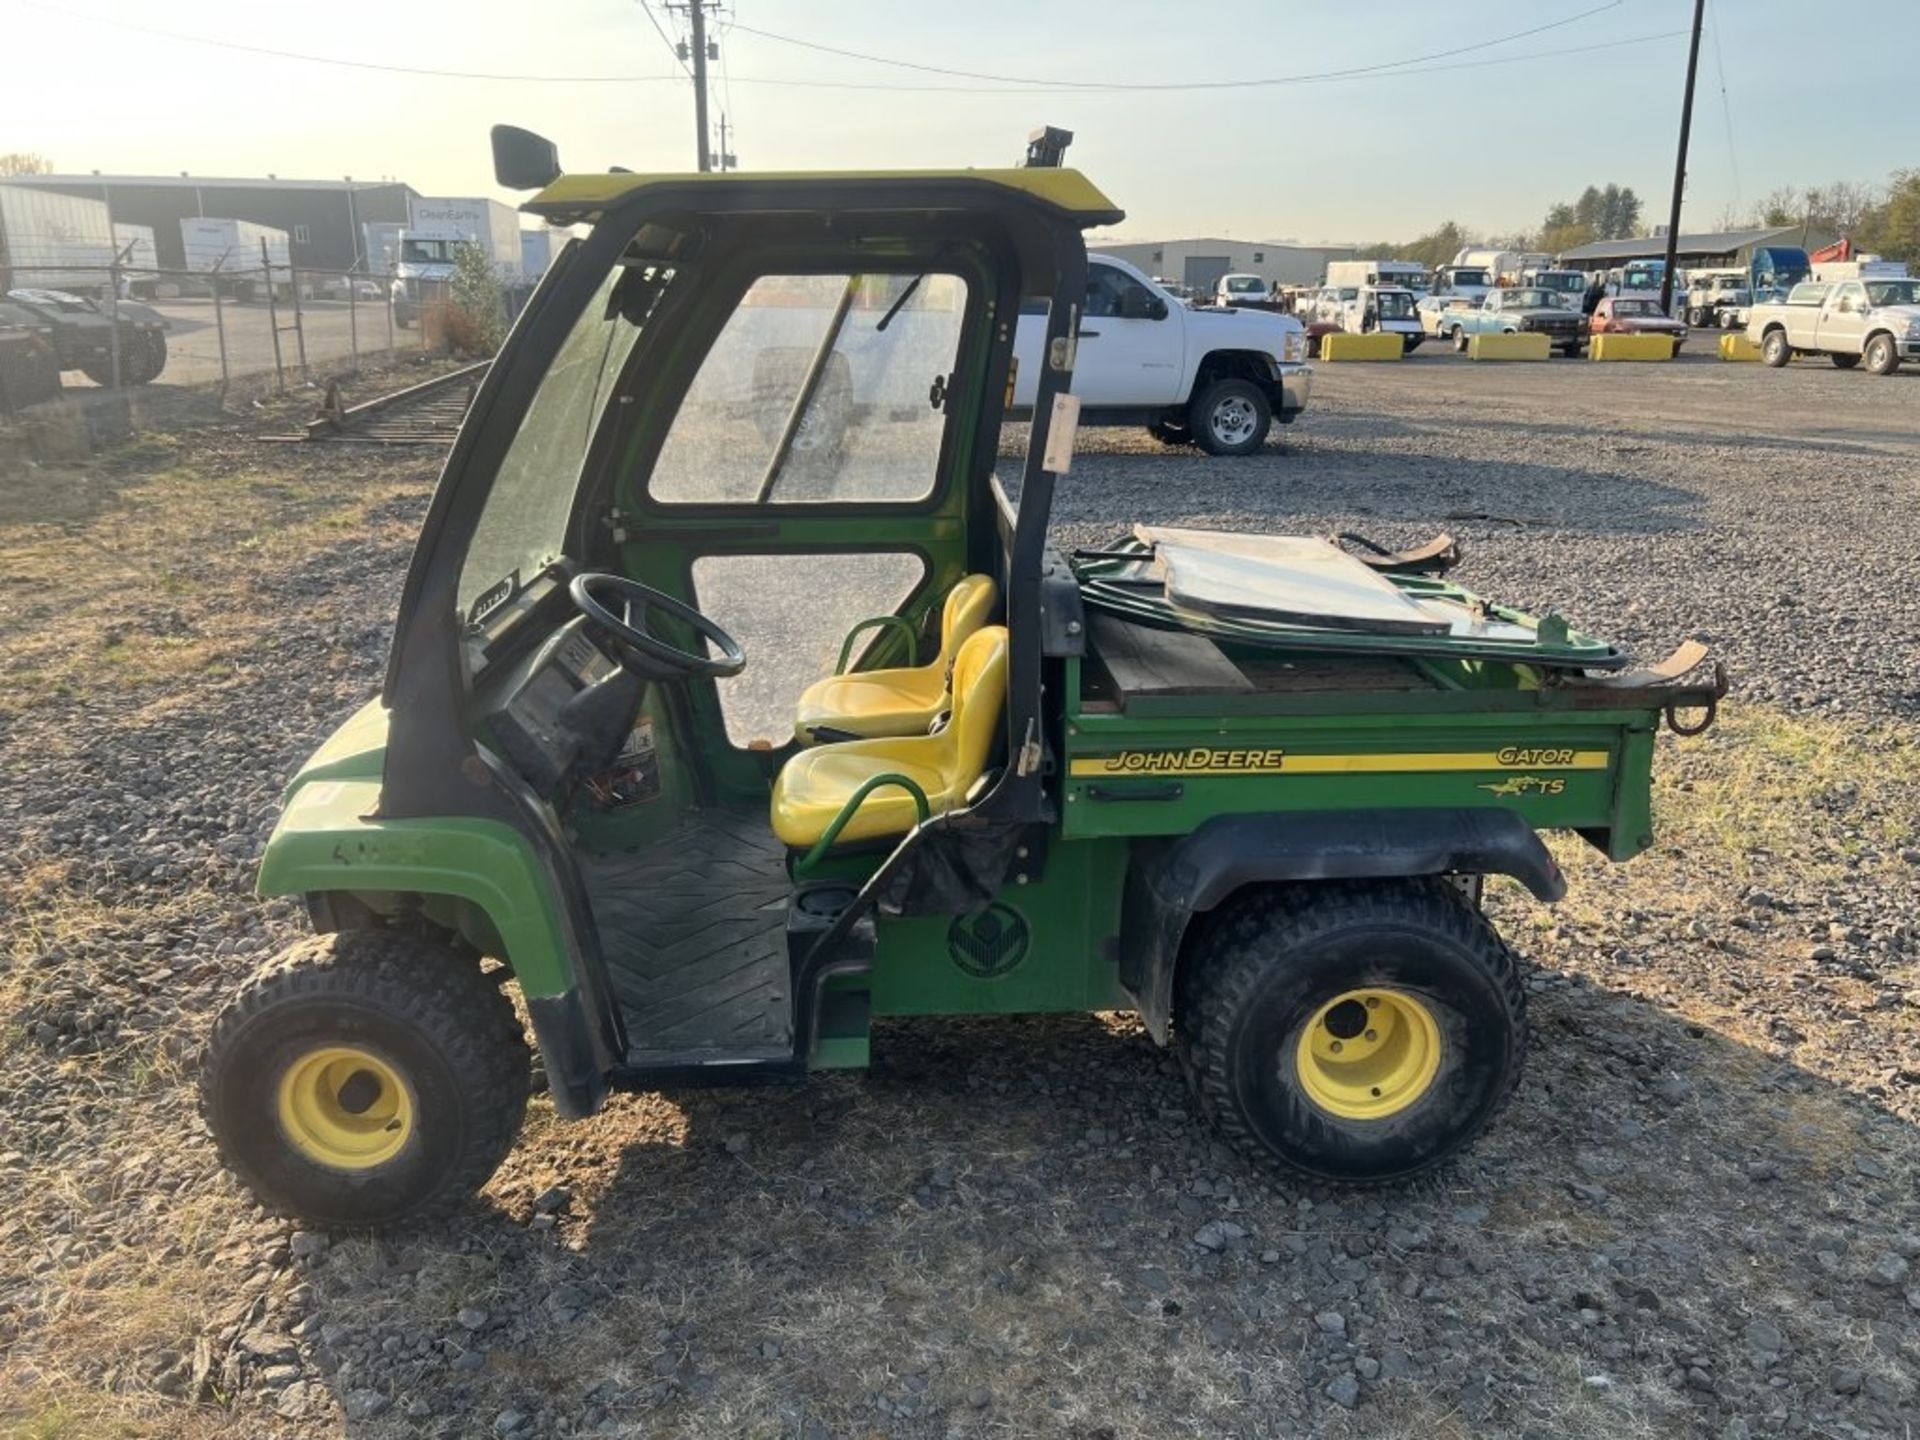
(1169, 883)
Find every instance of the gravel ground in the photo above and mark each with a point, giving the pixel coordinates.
(1699, 1217)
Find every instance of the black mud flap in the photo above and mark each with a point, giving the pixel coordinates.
(1169, 882)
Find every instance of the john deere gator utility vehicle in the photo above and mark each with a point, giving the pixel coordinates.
(1244, 785)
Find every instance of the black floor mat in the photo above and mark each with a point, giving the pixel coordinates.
(694, 933)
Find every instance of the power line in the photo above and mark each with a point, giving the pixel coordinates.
(1096, 91)
(660, 30)
(1173, 85)
(1726, 107)
(343, 64)
(1391, 70)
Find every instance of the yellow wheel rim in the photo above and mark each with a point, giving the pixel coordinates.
(1368, 1054)
(345, 1108)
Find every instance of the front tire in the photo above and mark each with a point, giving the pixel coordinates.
(1230, 417)
(1882, 357)
(1459, 340)
(1359, 1033)
(1775, 352)
(365, 1078)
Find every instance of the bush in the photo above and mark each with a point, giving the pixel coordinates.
(477, 315)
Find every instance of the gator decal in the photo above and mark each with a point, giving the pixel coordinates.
(1204, 760)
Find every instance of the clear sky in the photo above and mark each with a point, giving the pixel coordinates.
(1809, 97)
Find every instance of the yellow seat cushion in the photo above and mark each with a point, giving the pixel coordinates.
(904, 701)
(878, 702)
(815, 785)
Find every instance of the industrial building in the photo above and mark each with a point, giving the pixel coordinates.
(324, 219)
(1201, 263)
(1715, 250)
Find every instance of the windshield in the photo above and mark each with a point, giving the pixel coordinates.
(1635, 307)
(870, 428)
(1567, 282)
(1894, 292)
(525, 523)
(1531, 300)
(1469, 277)
(427, 252)
(1395, 305)
(1245, 285)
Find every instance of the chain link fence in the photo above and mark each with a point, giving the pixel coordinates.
(272, 326)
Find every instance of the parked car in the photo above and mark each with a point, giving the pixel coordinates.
(1217, 378)
(1636, 315)
(1517, 311)
(1364, 309)
(83, 335)
(29, 364)
(1876, 319)
(1242, 290)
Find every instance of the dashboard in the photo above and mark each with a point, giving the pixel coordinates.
(560, 711)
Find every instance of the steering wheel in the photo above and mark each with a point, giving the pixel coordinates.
(638, 650)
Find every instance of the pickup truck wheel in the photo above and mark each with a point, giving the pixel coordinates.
(1460, 339)
(1774, 349)
(1355, 1032)
(365, 1078)
(1882, 357)
(1844, 362)
(1230, 417)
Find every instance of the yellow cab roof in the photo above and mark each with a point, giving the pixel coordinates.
(586, 197)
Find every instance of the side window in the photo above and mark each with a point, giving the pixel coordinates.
(868, 433)
(1104, 286)
(1850, 298)
(790, 613)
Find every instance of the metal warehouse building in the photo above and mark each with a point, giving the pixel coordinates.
(1718, 249)
(322, 218)
(1201, 263)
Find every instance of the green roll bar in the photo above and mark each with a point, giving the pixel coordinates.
(854, 802)
(895, 622)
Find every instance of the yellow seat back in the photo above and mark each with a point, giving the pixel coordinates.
(969, 604)
(979, 694)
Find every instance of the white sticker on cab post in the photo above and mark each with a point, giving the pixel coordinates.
(1060, 434)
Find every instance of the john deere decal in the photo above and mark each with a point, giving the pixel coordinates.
(990, 943)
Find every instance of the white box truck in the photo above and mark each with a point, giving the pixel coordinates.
(50, 241)
(232, 250)
(138, 259)
(1406, 274)
(437, 226)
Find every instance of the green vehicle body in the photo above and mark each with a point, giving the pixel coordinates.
(1138, 814)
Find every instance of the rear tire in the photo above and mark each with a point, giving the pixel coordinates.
(365, 1078)
(1407, 975)
(1882, 357)
(1775, 352)
(1230, 417)
(1844, 362)
(1459, 340)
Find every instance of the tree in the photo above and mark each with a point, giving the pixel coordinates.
(1557, 239)
(477, 315)
(1610, 214)
(24, 162)
(1897, 236)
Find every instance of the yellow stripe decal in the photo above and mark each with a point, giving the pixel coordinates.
(1204, 760)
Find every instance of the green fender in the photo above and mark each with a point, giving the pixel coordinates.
(328, 840)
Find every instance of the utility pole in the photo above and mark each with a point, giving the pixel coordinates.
(1679, 164)
(726, 159)
(698, 16)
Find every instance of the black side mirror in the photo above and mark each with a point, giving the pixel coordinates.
(523, 160)
(1156, 308)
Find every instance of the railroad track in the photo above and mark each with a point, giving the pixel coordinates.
(425, 414)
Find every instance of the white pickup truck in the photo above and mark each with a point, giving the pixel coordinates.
(1217, 378)
(1875, 318)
